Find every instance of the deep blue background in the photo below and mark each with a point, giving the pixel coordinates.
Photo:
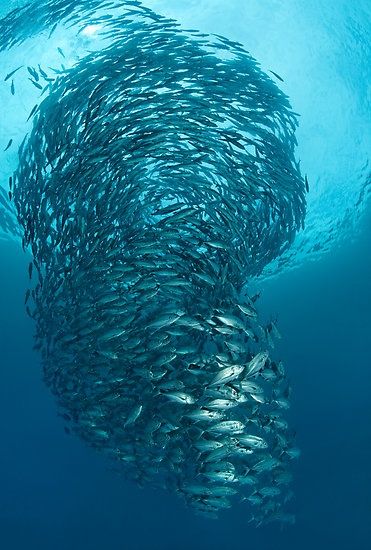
(57, 494)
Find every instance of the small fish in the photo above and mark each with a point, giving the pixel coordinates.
(256, 363)
(204, 414)
(293, 452)
(36, 84)
(223, 475)
(255, 297)
(42, 72)
(227, 375)
(231, 321)
(61, 52)
(221, 404)
(206, 445)
(248, 479)
(222, 491)
(248, 311)
(283, 477)
(28, 292)
(12, 88)
(53, 29)
(135, 413)
(277, 76)
(267, 463)
(12, 73)
(169, 209)
(282, 403)
(216, 454)
(9, 144)
(33, 73)
(252, 441)
(180, 397)
(248, 386)
(111, 334)
(228, 426)
(32, 111)
(269, 491)
(171, 385)
(274, 330)
(255, 499)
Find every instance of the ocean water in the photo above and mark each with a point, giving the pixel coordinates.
(58, 493)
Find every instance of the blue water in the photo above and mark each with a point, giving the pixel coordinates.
(55, 493)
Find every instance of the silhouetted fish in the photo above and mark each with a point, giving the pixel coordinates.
(158, 179)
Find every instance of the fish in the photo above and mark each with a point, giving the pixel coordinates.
(256, 364)
(204, 414)
(36, 84)
(9, 75)
(223, 491)
(265, 464)
(32, 112)
(42, 72)
(33, 73)
(248, 311)
(216, 454)
(111, 334)
(252, 441)
(277, 76)
(227, 426)
(28, 292)
(9, 144)
(149, 206)
(248, 386)
(231, 321)
(135, 413)
(180, 397)
(221, 404)
(227, 375)
(205, 445)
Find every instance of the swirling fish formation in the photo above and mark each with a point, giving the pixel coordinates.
(158, 180)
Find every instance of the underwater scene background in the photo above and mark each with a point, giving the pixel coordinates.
(56, 491)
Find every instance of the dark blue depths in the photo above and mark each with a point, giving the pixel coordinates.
(57, 494)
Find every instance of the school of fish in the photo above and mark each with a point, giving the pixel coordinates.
(158, 180)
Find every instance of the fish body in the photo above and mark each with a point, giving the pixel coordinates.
(9, 75)
(9, 144)
(227, 375)
(135, 413)
(256, 364)
(227, 426)
(180, 397)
